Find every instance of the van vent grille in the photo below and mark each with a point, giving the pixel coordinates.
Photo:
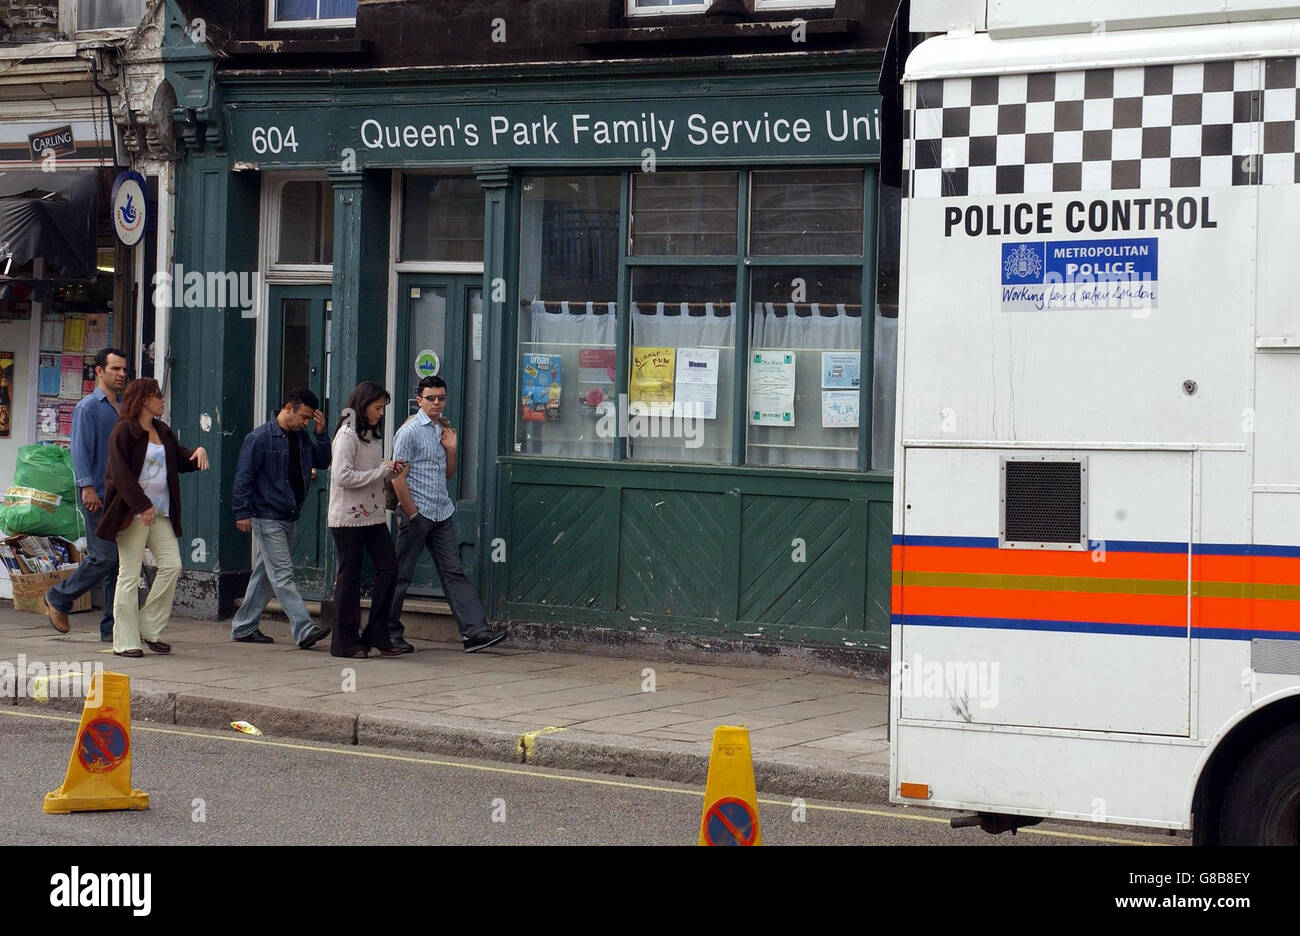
(1043, 502)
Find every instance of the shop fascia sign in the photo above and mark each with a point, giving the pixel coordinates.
(829, 125)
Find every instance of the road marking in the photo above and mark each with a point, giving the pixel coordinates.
(548, 775)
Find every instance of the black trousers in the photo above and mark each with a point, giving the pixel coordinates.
(439, 537)
(348, 545)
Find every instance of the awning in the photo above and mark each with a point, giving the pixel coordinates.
(52, 216)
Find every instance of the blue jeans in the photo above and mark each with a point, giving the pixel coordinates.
(272, 574)
(98, 566)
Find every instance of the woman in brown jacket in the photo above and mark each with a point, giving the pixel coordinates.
(142, 507)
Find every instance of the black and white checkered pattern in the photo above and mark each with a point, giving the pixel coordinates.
(1158, 126)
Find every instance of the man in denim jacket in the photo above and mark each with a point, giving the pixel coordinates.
(275, 465)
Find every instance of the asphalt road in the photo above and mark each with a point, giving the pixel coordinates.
(223, 788)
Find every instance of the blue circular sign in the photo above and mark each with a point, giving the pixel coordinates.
(130, 213)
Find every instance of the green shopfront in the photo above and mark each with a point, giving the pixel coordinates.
(652, 298)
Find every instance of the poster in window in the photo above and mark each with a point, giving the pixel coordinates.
(52, 333)
(6, 393)
(70, 377)
(841, 370)
(96, 331)
(771, 388)
(540, 387)
(74, 334)
(47, 419)
(595, 366)
(654, 371)
(696, 394)
(48, 375)
(840, 409)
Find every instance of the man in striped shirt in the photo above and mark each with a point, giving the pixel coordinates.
(424, 510)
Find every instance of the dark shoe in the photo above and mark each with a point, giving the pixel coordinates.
(255, 637)
(58, 619)
(402, 645)
(133, 654)
(484, 640)
(157, 646)
(358, 654)
(316, 633)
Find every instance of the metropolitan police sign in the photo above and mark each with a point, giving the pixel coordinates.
(1080, 274)
(130, 213)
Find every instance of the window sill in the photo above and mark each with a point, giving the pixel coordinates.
(301, 48)
(730, 33)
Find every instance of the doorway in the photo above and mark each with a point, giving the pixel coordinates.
(298, 355)
(440, 333)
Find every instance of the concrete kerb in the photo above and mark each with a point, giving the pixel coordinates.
(776, 773)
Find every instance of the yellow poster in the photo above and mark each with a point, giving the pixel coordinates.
(653, 373)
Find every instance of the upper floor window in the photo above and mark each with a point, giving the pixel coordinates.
(643, 7)
(649, 7)
(304, 13)
(109, 14)
(761, 5)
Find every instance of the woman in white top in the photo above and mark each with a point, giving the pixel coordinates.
(142, 508)
(358, 520)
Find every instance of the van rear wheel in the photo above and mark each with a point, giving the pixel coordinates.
(1261, 805)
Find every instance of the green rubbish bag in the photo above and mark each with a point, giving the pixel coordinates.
(42, 500)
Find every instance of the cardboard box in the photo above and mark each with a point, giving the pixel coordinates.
(30, 587)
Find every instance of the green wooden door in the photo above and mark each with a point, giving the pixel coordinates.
(298, 355)
(439, 331)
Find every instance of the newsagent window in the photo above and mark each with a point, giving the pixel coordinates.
(568, 315)
(442, 219)
(306, 223)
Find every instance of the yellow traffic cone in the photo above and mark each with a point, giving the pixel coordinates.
(99, 772)
(730, 800)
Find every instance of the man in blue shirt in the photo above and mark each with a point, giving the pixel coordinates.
(271, 482)
(424, 511)
(92, 423)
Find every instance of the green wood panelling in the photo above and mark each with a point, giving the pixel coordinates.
(558, 552)
(700, 549)
(782, 583)
(671, 553)
(880, 539)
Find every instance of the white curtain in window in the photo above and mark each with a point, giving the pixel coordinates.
(688, 325)
(808, 329)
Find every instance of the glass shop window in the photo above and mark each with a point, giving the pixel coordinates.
(684, 214)
(683, 357)
(568, 314)
(306, 223)
(805, 340)
(442, 219)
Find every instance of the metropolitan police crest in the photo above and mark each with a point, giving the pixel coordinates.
(1023, 261)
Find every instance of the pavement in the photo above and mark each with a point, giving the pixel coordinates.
(813, 735)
